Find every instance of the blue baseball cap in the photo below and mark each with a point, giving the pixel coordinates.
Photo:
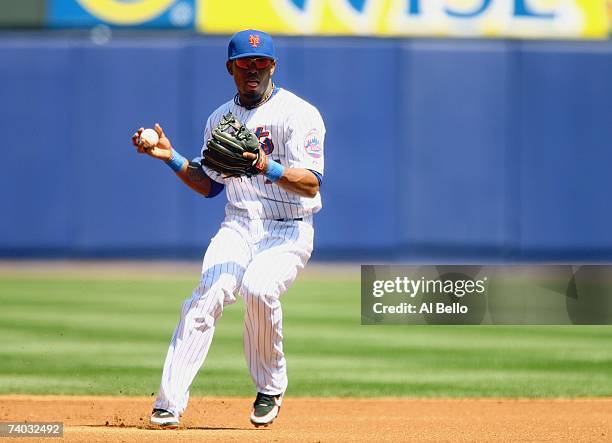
(251, 43)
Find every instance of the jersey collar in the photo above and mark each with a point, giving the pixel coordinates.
(275, 89)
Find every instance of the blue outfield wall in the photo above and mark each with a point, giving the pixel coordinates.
(435, 149)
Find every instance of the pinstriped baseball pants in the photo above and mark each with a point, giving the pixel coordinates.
(259, 259)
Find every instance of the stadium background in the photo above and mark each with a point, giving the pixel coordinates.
(465, 140)
(485, 149)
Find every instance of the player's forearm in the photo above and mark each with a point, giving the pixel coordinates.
(299, 181)
(192, 175)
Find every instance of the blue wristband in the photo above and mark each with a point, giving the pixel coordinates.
(275, 171)
(177, 161)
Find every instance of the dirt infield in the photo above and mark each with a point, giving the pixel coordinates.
(103, 419)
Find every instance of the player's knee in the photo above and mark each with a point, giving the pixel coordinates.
(202, 310)
(197, 315)
(209, 293)
(222, 287)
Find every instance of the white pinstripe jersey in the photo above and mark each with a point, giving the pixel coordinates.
(291, 132)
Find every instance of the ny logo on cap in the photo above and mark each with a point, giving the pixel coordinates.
(254, 40)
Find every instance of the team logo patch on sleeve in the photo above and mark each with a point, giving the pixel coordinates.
(312, 144)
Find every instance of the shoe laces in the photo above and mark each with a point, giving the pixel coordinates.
(264, 400)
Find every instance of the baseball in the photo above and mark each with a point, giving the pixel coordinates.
(149, 138)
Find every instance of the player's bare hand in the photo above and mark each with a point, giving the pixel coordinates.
(136, 138)
(260, 160)
(161, 150)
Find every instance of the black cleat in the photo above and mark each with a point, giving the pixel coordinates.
(265, 409)
(165, 419)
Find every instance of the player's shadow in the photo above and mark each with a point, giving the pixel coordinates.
(220, 428)
(180, 428)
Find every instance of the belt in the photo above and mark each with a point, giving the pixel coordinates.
(288, 219)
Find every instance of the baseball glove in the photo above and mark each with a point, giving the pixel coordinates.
(230, 139)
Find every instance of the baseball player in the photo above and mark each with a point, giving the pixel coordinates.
(266, 237)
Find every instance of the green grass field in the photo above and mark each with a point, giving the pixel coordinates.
(71, 334)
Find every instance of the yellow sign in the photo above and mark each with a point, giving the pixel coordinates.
(124, 13)
(439, 18)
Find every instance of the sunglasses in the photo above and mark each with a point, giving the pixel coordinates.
(246, 63)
